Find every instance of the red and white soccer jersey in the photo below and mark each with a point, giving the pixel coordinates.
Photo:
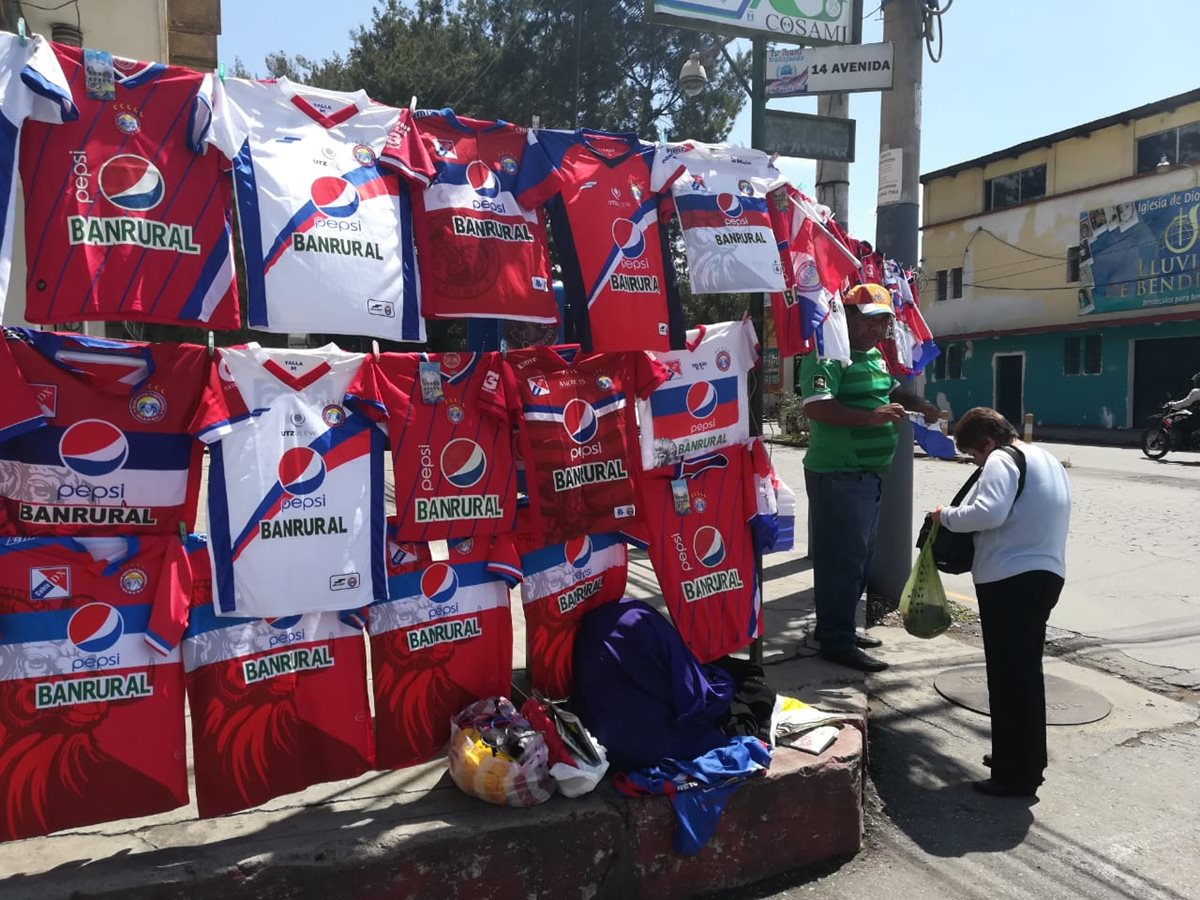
(561, 583)
(608, 190)
(443, 640)
(482, 253)
(327, 234)
(277, 704)
(295, 484)
(704, 558)
(32, 88)
(453, 460)
(722, 204)
(114, 454)
(91, 709)
(704, 403)
(126, 217)
(19, 409)
(577, 434)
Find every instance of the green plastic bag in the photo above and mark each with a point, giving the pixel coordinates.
(923, 606)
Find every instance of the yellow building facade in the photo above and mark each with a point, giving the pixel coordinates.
(1061, 275)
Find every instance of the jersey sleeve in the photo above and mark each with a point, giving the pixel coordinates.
(649, 373)
(19, 409)
(539, 178)
(665, 169)
(48, 96)
(504, 561)
(494, 389)
(221, 406)
(169, 614)
(819, 378)
(405, 151)
(366, 392)
(747, 345)
(201, 118)
(229, 129)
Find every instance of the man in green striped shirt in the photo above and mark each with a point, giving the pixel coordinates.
(852, 411)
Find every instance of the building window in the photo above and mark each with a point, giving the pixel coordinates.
(941, 285)
(1177, 145)
(939, 367)
(954, 363)
(1081, 356)
(956, 282)
(1014, 188)
(949, 283)
(1072, 265)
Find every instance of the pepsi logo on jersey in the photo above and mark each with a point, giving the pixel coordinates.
(462, 464)
(439, 585)
(709, 546)
(284, 631)
(94, 629)
(301, 472)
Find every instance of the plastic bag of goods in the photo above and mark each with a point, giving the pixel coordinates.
(923, 606)
(497, 756)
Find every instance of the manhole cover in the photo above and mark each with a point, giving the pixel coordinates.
(1067, 703)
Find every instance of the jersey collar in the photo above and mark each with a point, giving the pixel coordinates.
(358, 101)
(461, 373)
(629, 138)
(471, 126)
(108, 553)
(116, 367)
(700, 332)
(295, 382)
(132, 73)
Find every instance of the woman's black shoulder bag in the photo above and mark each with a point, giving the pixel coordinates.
(954, 551)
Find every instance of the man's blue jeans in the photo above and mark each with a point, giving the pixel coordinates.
(844, 509)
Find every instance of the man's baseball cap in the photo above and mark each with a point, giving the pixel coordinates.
(871, 299)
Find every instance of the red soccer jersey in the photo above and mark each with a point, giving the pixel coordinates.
(443, 640)
(453, 457)
(277, 704)
(114, 455)
(482, 254)
(91, 716)
(578, 436)
(126, 217)
(608, 189)
(704, 557)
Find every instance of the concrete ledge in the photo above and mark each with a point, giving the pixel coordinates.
(805, 810)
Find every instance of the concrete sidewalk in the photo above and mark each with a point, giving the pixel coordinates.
(413, 834)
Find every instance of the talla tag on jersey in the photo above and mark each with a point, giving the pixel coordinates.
(430, 374)
(98, 74)
(679, 493)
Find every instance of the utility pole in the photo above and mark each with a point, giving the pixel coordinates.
(896, 231)
(833, 178)
(758, 138)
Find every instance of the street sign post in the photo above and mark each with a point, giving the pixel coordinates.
(813, 23)
(799, 71)
(808, 137)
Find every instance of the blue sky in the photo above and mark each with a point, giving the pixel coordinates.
(1010, 71)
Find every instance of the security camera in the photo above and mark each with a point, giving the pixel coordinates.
(692, 77)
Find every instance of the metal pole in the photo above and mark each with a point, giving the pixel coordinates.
(896, 236)
(758, 127)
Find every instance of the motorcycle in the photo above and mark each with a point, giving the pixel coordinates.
(1167, 432)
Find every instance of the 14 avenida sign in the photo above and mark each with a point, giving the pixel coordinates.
(1141, 254)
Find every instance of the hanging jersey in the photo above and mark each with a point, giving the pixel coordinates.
(482, 253)
(607, 190)
(722, 204)
(577, 433)
(19, 410)
(33, 88)
(114, 454)
(295, 484)
(277, 704)
(704, 403)
(443, 640)
(562, 582)
(91, 699)
(704, 557)
(327, 234)
(126, 216)
(451, 441)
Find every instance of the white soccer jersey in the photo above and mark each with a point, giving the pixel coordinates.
(704, 404)
(722, 204)
(32, 86)
(327, 234)
(295, 486)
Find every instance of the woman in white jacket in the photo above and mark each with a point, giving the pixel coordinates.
(1018, 573)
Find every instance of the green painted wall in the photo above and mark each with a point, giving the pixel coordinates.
(1054, 398)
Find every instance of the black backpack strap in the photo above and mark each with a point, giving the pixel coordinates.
(1019, 459)
(967, 485)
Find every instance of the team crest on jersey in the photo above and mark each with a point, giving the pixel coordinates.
(508, 165)
(402, 553)
(674, 368)
(132, 183)
(46, 396)
(580, 421)
(463, 463)
(807, 277)
(699, 503)
(538, 386)
(148, 406)
(604, 382)
(455, 413)
(746, 187)
(364, 155)
(724, 361)
(50, 583)
(133, 581)
(636, 190)
(93, 448)
(698, 183)
(451, 361)
(709, 546)
(95, 627)
(333, 415)
(127, 119)
(465, 546)
(444, 148)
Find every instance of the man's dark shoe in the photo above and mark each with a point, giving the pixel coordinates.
(987, 760)
(864, 641)
(994, 788)
(853, 658)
